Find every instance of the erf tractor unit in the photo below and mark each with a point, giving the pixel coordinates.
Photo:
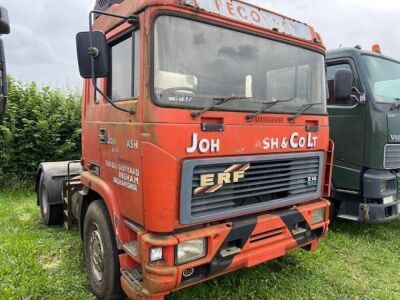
(364, 110)
(4, 29)
(205, 144)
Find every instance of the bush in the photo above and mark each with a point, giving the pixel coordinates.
(40, 124)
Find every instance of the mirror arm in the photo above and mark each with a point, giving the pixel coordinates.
(108, 99)
(131, 19)
(355, 98)
(356, 90)
(92, 52)
(359, 97)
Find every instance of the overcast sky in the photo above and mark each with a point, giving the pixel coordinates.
(41, 47)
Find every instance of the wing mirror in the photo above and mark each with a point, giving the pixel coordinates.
(4, 21)
(4, 29)
(344, 89)
(343, 84)
(93, 57)
(93, 54)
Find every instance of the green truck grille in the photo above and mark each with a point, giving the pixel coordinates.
(392, 157)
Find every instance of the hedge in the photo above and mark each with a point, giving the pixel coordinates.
(40, 124)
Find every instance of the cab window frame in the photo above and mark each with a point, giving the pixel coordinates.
(203, 20)
(135, 66)
(356, 80)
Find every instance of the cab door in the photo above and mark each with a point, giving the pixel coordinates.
(119, 130)
(347, 123)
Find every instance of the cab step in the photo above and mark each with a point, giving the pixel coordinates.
(134, 277)
(71, 187)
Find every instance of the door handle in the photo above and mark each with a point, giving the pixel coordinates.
(103, 136)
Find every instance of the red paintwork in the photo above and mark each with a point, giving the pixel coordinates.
(162, 135)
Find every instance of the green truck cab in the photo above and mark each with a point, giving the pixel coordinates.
(364, 112)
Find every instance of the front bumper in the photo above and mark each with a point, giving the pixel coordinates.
(378, 185)
(379, 213)
(255, 240)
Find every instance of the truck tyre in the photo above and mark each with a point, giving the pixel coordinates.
(101, 253)
(51, 214)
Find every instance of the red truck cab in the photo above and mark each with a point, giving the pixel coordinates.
(206, 145)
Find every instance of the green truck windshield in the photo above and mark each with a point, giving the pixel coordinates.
(384, 78)
(195, 62)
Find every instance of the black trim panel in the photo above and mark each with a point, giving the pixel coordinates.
(237, 237)
(294, 220)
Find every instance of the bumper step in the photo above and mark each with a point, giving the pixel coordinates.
(134, 277)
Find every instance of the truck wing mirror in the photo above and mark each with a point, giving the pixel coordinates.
(3, 80)
(4, 21)
(343, 84)
(93, 57)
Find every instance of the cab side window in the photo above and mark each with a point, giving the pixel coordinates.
(330, 76)
(125, 68)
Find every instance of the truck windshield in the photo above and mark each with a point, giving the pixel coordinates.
(194, 63)
(384, 78)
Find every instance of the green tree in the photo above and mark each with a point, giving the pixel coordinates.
(40, 124)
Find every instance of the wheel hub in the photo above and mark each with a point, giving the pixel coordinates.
(96, 251)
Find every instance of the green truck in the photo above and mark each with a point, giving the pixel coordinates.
(364, 111)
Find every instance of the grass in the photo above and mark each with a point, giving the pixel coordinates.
(37, 262)
(355, 261)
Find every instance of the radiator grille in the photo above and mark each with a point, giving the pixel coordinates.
(263, 182)
(392, 157)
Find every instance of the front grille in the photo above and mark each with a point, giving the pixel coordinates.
(392, 157)
(219, 188)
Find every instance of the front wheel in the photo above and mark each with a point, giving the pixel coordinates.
(101, 254)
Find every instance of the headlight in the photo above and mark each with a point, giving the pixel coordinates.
(156, 254)
(388, 199)
(190, 251)
(318, 216)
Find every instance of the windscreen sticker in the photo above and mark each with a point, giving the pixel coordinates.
(180, 99)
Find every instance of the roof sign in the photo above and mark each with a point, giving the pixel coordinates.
(247, 13)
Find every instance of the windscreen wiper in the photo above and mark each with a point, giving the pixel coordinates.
(266, 106)
(221, 100)
(303, 109)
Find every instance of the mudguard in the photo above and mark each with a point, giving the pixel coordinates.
(54, 175)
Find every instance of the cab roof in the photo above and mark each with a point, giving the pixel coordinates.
(352, 52)
(236, 10)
